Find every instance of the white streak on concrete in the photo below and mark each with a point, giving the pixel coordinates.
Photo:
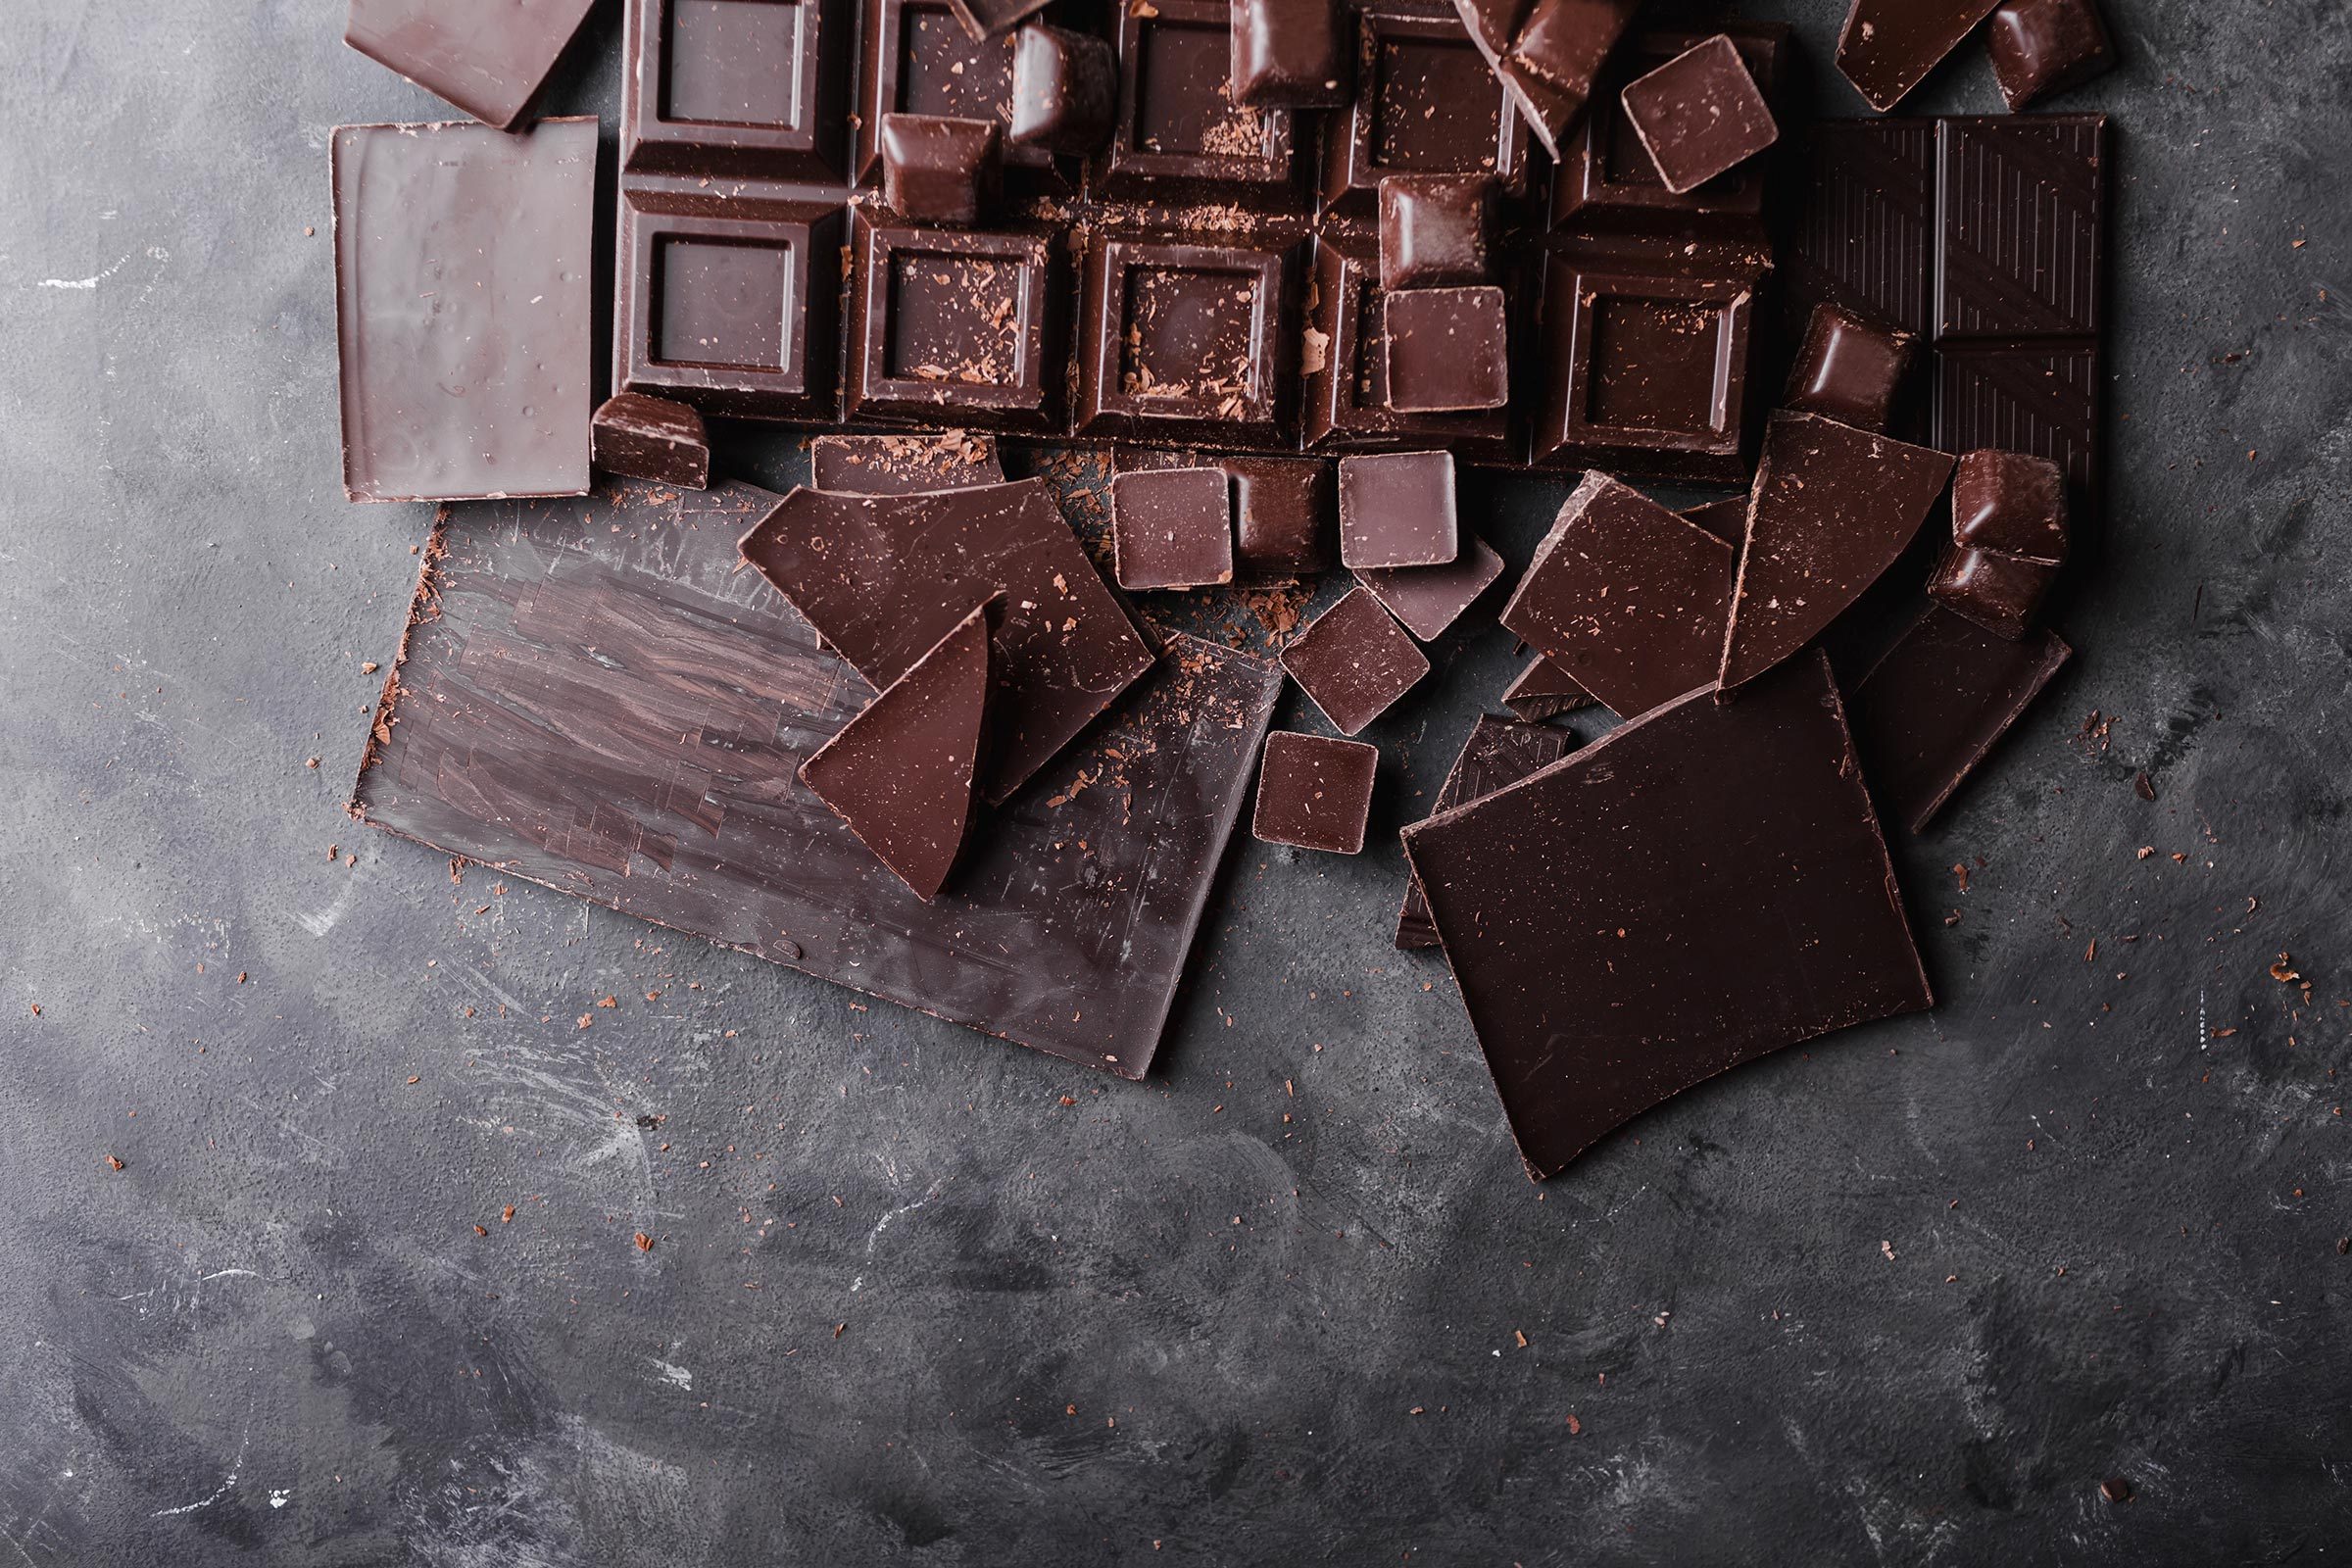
(874, 1238)
(674, 1374)
(86, 283)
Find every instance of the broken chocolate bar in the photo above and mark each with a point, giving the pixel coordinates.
(1848, 370)
(1396, 509)
(1430, 599)
(1888, 46)
(1608, 927)
(1316, 793)
(1171, 527)
(1498, 753)
(1545, 690)
(1831, 509)
(463, 312)
(881, 578)
(1448, 349)
(1065, 90)
(901, 773)
(1435, 230)
(651, 438)
(1700, 115)
(1353, 661)
(903, 464)
(1289, 54)
(940, 170)
(1282, 522)
(2040, 47)
(490, 61)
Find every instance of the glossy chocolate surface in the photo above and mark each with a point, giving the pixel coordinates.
(1429, 598)
(939, 169)
(1290, 54)
(1426, 103)
(1171, 527)
(2040, 47)
(1283, 524)
(1615, 934)
(1499, 752)
(635, 765)
(647, 438)
(1314, 792)
(1888, 46)
(916, 58)
(1449, 349)
(2000, 593)
(881, 578)
(1353, 661)
(1849, 370)
(1436, 230)
(2020, 244)
(1180, 135)
(463, 313)
(1647, 372)
(1700, 115)
(1397, 508)
(1548, 53)
(2010, 502)
(489, 61)
(903, 464)
(1346, 382)
(1065, 90)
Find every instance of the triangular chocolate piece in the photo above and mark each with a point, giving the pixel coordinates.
(901, 773)
(1544, 690)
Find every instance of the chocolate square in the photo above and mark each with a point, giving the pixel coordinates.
(1353, 661)
(1171, 528)
(1182, 340)
(2010, 502)
(1848, 370)
(1430, 599)
(1649, 372)
(651, 438)
(1606, 178)
(1865, 236)
(1434, 230)
(1346, 384)
(2000, 593)
(1065, 90)
(732, 315)
(1425, 103)
(748, 88)
(1178, 126)
(1290, 54)
(1315, 792)
(2021, 224)
(918, 59)
(955, 327)
(1450, 350)
(1700, 115)
(1283, 526)
(1396, 509)
(2040, 47)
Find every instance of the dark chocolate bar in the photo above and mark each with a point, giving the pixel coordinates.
(1065, 90)
(1426, 103)
(1498, 753)
(1180, 133)
(1181, 340)
(955, 327)
(1647, 370)
(490, 61)
(917, 58)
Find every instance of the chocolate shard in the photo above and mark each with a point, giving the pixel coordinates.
(1700, 115)
(1849, 370)
(1545, 690)
(985, 19)
(1282, 518)
(903, 464)
(1498, 753)
(1289, 54)
(489, 61)
(936, 170)
(1065, 90)
(1627, 597)
(1430, 599)
(901, 773)
(1315, 792)
(1448, 349)
(1726, 520)
(1611, 934)
(2000, 593)
(1938, 702)
(463, 311)
(1436, 230)
(1396, 509)
(1888, 46)
(2041, 47)
(1547, 53)
(1831, 509)
(1493, 27)
(881, 578)
(651, 438)
(1353, 661)
(1171, 528)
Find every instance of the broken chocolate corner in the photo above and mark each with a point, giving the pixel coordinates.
(1315, 792)
(1065, 90)
(1289, 54)
(641, 437)
(937, 170)
(902, 773)
(1887, 47)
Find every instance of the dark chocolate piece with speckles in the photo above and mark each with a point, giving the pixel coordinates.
(1498, 753)
(1315, 792)
(1888, 46)
(2011, 502)
(2040, 47)
(1065, 90)
(1289, 54)
(1450, 350)
(903, 464)
(651, 438)
(1396, 509)
(1700, 115)
(1430, 599)
(985, 19)
(1436, 230)
(1353, 661)
(936, 170)
(2000, 593)
(1545, 690)
(1171, 527)
(489, 59)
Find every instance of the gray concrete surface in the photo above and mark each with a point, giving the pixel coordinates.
(1905, 1296)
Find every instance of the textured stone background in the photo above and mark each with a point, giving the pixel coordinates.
(1907, 1295)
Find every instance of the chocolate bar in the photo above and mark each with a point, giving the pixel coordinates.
(462, 315)
(1172, 527)
(648, 438)
(1429, 598)
(1700, 115)
(1396, 509)
(589, 699)
(1498, 753)
(1648, 369)
(1353, 661)
(1316, 793)
(1613, 937)
(1181, 340)
(489, 61)
(2040, 47)
(954, 326)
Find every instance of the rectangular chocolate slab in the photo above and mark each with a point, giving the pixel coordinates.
(592, 697)
(1499, 752)
(463, 313)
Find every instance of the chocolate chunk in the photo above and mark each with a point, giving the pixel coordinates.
(1435, 230)
(901, 773)
(2040, 47)
(651, 438)
(2020, 248)
(463, 311)
(903, 464)
(1936, 703)
(881, 578)
(1449, 349)
(2000, 593)
(941, 170)
(1647, 370)
(951, 326)
(1172, 527)
(589, 698)
(1346, 382)
(1831, 509)
(1498, 753)
(1183, 341)
(1425, 103)
(1065, 90)
(1888, 46)
(1430, 599)
(1354, 660)
(1627, 597)
(917, 59)
(1289, 54)
(1281, 518)
(2010, 502)
(1700, 115)
(1548, 53)
(1849, 370)
(491, 61)
(1396, 509)
(1316, 793)
(1545, 690)
(2040, 396)
(752, 90)
(1614, 936)
(1179, 132)
(985, 18)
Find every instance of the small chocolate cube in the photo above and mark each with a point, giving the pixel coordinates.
(651, 438)
(1065, 90)
(1314, 792)
(2012, 503)
(1171, 528)
(940, 170)
(2040, 47)
(1354, 660)
(1849, 370)
(1281, 528)
(1430, 599)
(1396, 509)
(1998, 592)
(1448, 349)
(1289, 54)
(1435, 230)
(1700, 115)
